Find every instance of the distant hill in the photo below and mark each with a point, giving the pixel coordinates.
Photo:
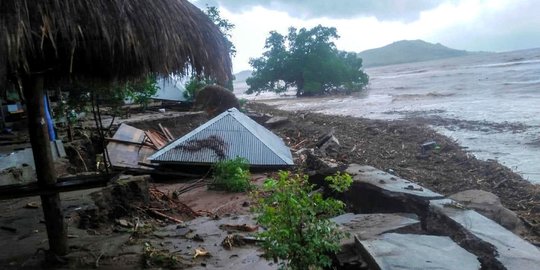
(408, 51)
(242, 75)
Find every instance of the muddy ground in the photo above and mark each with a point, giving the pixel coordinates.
(396, 147)
(392, 146)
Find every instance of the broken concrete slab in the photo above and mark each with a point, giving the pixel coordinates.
(276, 121)
(489, 205)
(369, 226)
(513, 252)
(390, 183)
(412, 251)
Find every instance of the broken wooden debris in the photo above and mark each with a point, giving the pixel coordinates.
(157, 139)
(127, 155)
(166, 132)
(160, 198)
(129, 142)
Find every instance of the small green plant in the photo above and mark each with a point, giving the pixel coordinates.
(242, 102)
(142, 91)
(339, 182)
(231, 175)
(296, 220)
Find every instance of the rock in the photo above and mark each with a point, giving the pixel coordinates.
(489, 205)
(390, 185)
(412, 251)
(115, 201)
(512, 251)
(370, 226)
(316, 163)
(276, 121)
(328, 143)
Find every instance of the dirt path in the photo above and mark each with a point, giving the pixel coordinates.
(396, 147)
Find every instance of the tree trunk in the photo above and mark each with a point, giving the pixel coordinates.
(46, 174)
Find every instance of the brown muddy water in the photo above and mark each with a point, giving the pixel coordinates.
(489, 103)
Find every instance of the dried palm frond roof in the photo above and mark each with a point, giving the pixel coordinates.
(108, 39)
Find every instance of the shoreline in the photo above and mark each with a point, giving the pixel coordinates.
(395, 146)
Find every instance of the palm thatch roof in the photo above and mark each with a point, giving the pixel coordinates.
(103, 40)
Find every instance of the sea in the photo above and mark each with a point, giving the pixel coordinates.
(489, 103)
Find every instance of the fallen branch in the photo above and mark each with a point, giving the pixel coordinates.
(500, 183)
(82, 159)
(161, 215)
(169, 138)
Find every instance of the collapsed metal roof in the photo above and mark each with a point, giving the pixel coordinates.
(229, 135)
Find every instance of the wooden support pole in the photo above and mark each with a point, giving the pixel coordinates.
(39, 138)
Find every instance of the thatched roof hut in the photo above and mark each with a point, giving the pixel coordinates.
(108, 39)
(49, 41)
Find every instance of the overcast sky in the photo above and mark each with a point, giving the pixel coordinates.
(475, 25)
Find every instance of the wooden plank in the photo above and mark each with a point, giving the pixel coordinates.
(157, 139)
(127, 155)
(128, 133)
(168, 132)
(63, 185)
(169, 138)
(129, 142)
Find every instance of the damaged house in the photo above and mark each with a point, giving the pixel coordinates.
(229, 135)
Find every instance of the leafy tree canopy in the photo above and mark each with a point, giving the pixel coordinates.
(196, 81)
(307, 60)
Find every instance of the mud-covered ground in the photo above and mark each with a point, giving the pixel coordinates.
(396, 147)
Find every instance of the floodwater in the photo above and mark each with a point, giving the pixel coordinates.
(489, 103)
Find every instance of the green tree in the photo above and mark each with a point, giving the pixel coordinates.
(142, 91)
(197, 82)
(224, 26)
(307, 60)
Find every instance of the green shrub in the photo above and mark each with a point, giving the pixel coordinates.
(296, 220)
(231, 175)
(339, 182)
(194, 85)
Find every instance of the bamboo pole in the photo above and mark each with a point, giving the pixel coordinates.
(39, 138)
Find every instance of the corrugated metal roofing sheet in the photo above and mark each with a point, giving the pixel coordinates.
(228, 135)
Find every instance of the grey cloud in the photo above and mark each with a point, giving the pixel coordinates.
(395, 10)
(515, 27)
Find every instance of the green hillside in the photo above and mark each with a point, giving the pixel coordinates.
(407, 51)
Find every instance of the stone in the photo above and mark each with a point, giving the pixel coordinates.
(489, 205)
(513, 252)
(369, 226)
(412, 251)
(276, 121)
(389, 183)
